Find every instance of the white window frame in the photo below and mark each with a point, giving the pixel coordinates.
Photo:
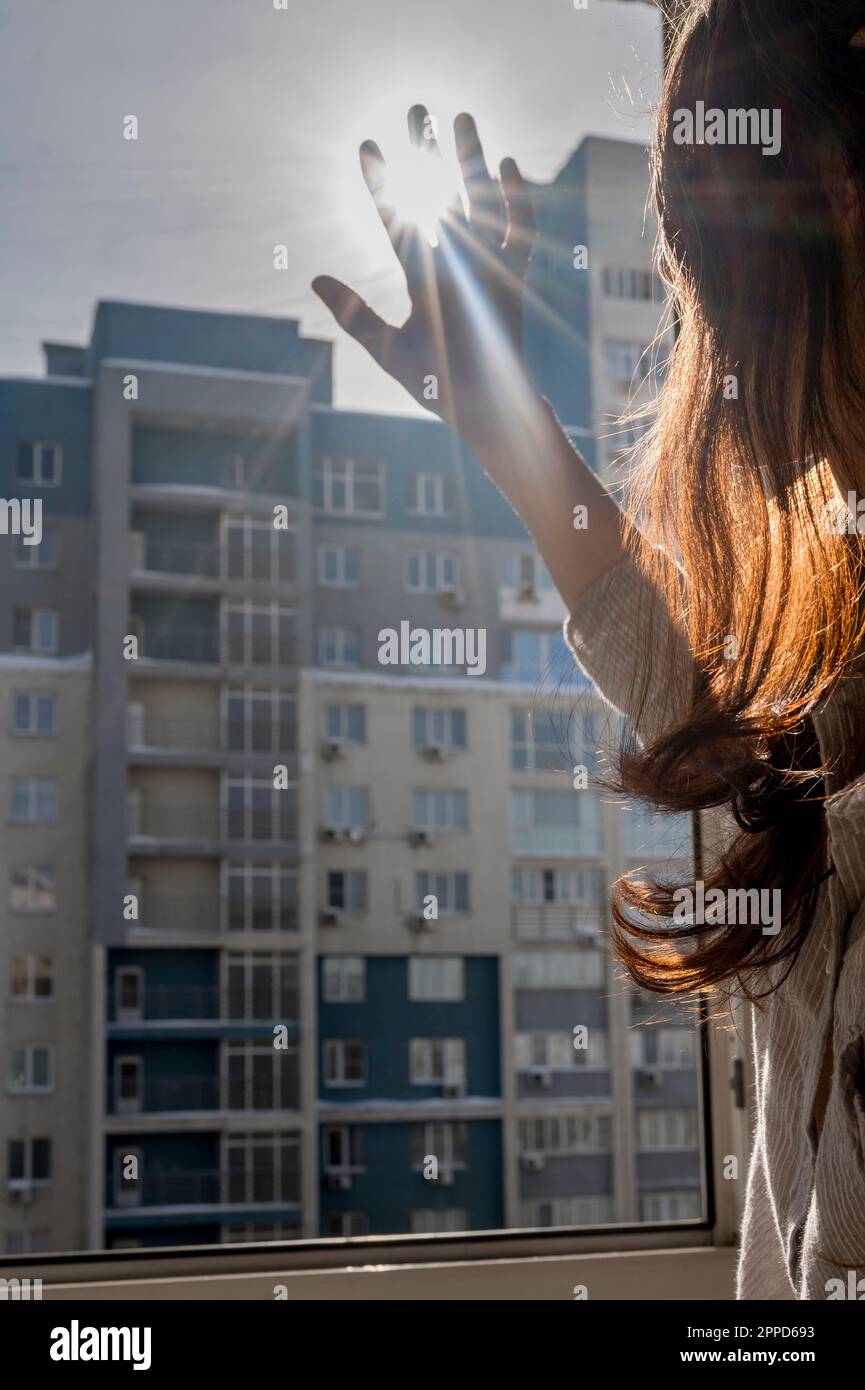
(124, 1013)
(249, 1144)
(340, 978)
(28, 1181)
(667, 1129)
(253, 698)
(343, 720)
(437, 483)
(325, 473)
(352, 877)
(340, 638)
(443, 887)
(283, 802)
(248, 870)
(29, 1087)
(33, 959)
(33, 785)
(36, 615)
(133, 1105)
(450, 821)
(334, 1069)
(249, 609)
(437, 1061)
(449, 988)
(248, 526)
(283, 1068)
(433, 566)
(339, 814)
(32, 871)
(33, 697)
(438, 728)
(31, 557)
(37, 445)
(341, 553)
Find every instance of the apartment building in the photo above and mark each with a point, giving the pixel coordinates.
(339, 916)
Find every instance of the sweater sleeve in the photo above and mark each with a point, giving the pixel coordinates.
(622, 635)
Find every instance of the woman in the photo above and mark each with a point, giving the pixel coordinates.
(728, 624)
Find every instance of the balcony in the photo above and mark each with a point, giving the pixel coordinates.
(191, 1002)
(207, 824)
(556, 921)
(162, 915)
(186, 644)
(168, 1095)
(195, 559)
(207, 1187)
(203, 645)
(145, 731)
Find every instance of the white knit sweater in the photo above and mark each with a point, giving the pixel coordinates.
(804, 1220)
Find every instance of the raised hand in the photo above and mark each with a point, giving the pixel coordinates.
(459, 352)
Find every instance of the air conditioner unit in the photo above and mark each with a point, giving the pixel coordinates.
(420, 839)
(532, 1163)
(355, 836)
(528, 593)
(339, 1182)
(415, 921)
(328, 918)
(453, 1090)
(452, 598)
(23, 1196)
(332, 749)
(435, 752)
(330, 836)
(541, 1078)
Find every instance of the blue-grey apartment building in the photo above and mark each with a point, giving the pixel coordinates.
(309, 953)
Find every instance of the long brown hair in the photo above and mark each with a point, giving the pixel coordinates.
(762, 408)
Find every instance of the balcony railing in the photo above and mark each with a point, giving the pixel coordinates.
(206, 1002)
(199, 558)
(162, 821)
(211, 914)
(206, 1187)
(555, 921)
(181, 644)
(209, 735)
(169, 1094)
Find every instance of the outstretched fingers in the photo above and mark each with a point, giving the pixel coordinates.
(486, 205)
(522, 227)
(354, 315)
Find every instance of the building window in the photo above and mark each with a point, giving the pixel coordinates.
(676, 1047)
(32, 1242)
(439, 978)
(263, 1169)
(437, 1061)
(346, 808)
(345, 724)
(530, 657)
(260, 719)
(256, 552)
(620, 283)
(260, 897)
(338, 566)
(34, 800)
(343, 979)
(623, 359)
(249, 1233)
(33, 888)
(434, 572)
(670, 1206)
(666, 1130)
(32, 977)
(347, 890)
(28, 1162)
(261, 985)
(31, 1069)
(344, 486)
(568, 1211)
(40, 463)
(344, 1148)
(260, 634)
(37, 557)
(450, 890)
(525, 571)
(256, 810)
(575, 969)
(558, 1135)
(442, 812)
(446, 1142)
(345, 1062)
(36, 630)
(584, 886)
(540, 742)
(430, 495)
(34, 714)
(556, 1051)
(129, 993)
(431, 1221)
(347, 1223)
(259, 1076)
(128, 1085)
(435, 730)
(338, 646)
(554, 823)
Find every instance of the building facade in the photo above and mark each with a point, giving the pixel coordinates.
(333, 901)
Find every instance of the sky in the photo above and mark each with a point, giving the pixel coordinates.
(249, 120)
